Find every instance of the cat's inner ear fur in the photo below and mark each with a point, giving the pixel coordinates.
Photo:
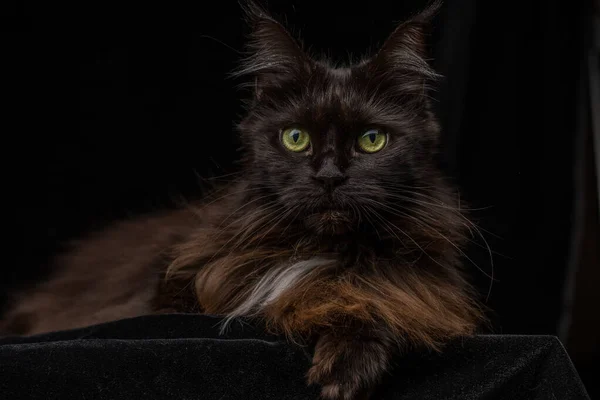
(403, 56)
(273, 55)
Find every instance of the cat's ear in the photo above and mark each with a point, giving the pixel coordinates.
(273, 55)
(403, 56)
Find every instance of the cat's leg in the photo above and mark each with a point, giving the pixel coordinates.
(350, 365)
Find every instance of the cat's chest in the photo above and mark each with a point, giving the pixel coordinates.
(342, 254)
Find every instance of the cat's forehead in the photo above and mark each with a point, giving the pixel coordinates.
(336, 96)
(335, 80)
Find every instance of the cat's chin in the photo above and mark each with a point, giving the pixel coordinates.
(330, 222)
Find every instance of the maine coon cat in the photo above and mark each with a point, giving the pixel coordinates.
(340, 230)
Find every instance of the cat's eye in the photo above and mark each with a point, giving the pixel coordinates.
(295, 139)
(372, 141)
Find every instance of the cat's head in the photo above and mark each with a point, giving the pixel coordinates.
(335, 145)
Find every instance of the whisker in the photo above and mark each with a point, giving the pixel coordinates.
(458, 249)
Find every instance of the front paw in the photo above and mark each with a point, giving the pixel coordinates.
(348, 368)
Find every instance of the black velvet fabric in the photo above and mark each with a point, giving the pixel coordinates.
(182, 356)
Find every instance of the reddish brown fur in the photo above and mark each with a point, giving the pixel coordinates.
(107, 276)
(423, 302)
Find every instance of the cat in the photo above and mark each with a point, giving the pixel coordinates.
(340, 231)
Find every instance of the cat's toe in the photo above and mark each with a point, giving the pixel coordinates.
(343, 391)
(336, 387)
(348, 368)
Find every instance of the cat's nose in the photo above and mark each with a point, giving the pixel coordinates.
(329, 175)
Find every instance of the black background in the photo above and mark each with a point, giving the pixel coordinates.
(117, 109)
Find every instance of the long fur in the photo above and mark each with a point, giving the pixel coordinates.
(364, 269)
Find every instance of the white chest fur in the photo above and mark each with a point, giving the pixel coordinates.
(274, 284)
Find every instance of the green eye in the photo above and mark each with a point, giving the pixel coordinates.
(295, 139)
(372, 141)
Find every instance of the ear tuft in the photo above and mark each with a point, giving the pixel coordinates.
(403, 55)
(273, 55)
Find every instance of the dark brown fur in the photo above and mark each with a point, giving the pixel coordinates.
(391, 233)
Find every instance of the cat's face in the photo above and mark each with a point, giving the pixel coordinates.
(337, 145)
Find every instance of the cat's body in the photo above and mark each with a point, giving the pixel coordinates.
(109, 275)
(341, 229)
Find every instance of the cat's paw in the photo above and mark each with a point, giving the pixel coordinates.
(348, 368)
